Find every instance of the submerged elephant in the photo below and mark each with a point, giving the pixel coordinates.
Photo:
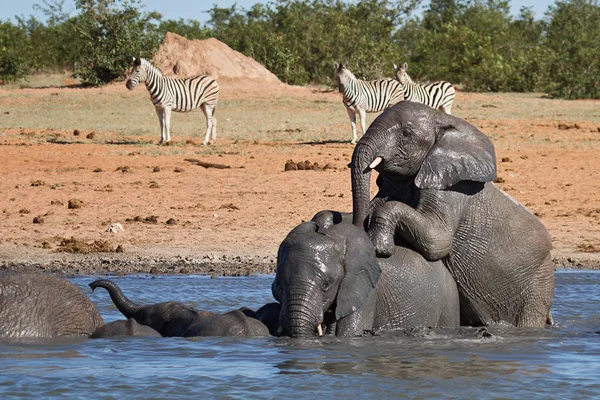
(435, 174)
(128, 327)
(328, 275)
(42, 305)
(174, 319)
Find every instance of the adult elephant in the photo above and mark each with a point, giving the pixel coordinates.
(328, 277)
(174, 319)
(42, 305)
(435, 173)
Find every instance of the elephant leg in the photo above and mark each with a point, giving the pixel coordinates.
(430, 235)
(358, 322)
(537, 302)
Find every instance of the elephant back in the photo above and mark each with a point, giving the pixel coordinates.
(43, 305)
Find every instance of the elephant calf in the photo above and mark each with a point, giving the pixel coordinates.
(174, 319)
(42, 305)
(328, 266)
(436, 193)
(128, 327)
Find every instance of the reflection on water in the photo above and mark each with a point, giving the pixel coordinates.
(513, 363)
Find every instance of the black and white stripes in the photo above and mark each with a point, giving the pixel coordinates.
(438, 95)
(181, 95)
(366, 96)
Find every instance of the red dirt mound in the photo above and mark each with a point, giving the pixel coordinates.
(180, 57)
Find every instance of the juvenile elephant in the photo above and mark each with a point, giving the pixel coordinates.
(435, 174)
(173, 318)
(128, 327)
(42, 305)
(327, 267)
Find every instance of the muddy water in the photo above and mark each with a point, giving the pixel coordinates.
(545, 363)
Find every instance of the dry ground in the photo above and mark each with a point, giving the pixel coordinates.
(98, 146)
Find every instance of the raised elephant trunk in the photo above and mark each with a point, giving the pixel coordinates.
(364, 159)
(127, 307)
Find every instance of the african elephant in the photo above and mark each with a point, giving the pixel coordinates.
(435, 173)
(128, 327)
(328, 275)
(42, 305)
(173, 318)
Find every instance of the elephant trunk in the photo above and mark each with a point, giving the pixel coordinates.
(301, 311)
(127, 307)
(362, 159)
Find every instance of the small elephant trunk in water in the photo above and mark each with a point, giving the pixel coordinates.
(127, 307)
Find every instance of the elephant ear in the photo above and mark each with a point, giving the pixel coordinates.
(460, 153)
(361, 275)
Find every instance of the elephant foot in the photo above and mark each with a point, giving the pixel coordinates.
(384, 244)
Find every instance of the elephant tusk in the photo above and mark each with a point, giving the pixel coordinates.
(320, 330)
(375, 162)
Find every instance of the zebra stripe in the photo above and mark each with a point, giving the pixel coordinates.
(366, 96)
(438, 95)
(181, 95)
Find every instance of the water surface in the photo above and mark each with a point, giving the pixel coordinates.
(562, 362)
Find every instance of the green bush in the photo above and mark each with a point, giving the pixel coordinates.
(110, 33)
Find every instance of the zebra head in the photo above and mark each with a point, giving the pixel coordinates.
(401, 74)
(343, 76)
(137, 74)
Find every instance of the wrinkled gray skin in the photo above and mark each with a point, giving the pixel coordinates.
(174, 319)
(436, 193)
(232, 323)
(128, 327)
(327, 275)
(269, 315)
(41, 305)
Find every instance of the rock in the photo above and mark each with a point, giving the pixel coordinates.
(115, 228)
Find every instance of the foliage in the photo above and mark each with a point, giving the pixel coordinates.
(476, 44)
(13, 52)
(110, 33)
(573, 40)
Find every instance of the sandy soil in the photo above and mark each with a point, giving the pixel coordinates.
(179, 217)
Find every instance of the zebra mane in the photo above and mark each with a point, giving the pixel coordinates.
(148, 65)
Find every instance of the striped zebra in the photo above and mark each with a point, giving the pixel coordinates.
(365, 96)
(438, 95)
(182, 95)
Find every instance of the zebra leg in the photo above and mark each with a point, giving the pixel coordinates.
(211, 124)
(167, 124)
(352, 116)
(363, 120)
(160, 113)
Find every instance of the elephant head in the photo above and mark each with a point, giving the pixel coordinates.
(412, 141)
(321, 269)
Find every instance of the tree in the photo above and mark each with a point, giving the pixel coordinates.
(573, 40)
(111, 32)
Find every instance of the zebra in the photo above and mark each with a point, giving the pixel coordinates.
(365, 96)
(181, 95)
(438, 95)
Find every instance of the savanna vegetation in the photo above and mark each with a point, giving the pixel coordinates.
(477, 44)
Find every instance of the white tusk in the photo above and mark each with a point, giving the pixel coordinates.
(375, 162)
(279, 330)
(320, 330)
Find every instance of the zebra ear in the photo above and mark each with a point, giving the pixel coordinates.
(137, 61)
(336, 65)
(405, 66)
(395, 67)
